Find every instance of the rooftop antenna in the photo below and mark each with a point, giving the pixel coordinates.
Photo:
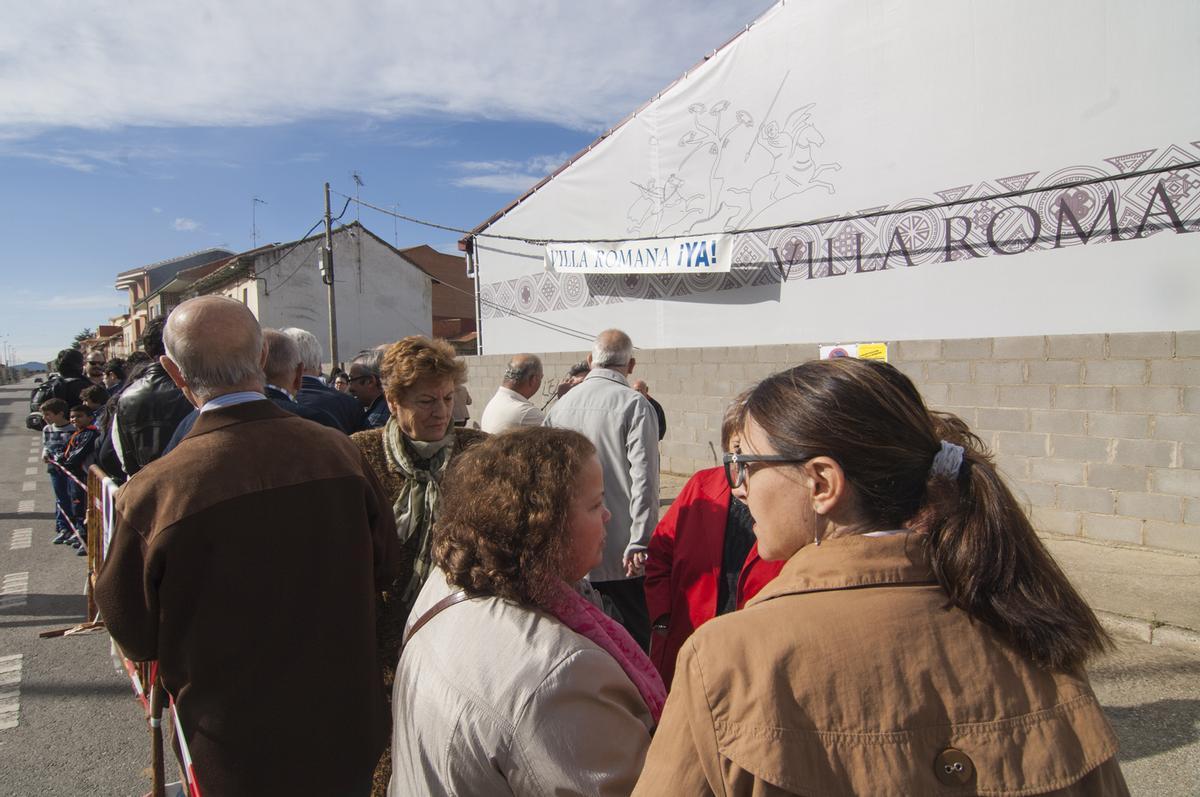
(254, 203)
(358, 183)
(396, 223)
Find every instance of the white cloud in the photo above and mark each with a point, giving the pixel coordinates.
(157, 210)
(86, 302)
(227, 62)
(87, 160)
(186, 225)
(507, 176)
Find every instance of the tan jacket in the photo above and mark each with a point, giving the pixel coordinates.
(849, 674)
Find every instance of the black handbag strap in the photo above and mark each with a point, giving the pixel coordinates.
(434, 610)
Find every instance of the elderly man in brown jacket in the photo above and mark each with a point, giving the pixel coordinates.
(246, 562)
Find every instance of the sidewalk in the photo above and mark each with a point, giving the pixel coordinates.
(1152, 595)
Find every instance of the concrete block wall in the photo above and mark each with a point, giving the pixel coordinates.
(1099, 434)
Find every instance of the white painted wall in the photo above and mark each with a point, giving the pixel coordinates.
(908, 101)
(380, 296)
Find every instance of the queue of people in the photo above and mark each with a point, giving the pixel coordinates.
(852, 603)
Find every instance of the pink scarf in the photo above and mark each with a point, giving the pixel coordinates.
(581, 616)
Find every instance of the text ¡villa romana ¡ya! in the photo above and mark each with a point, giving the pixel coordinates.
(684, 254)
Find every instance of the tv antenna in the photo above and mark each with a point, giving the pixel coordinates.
(254, 203)
(358, 183)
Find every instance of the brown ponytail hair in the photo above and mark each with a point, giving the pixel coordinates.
(870, 418)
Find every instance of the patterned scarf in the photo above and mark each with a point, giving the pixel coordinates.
(581, 616)
(417, 500)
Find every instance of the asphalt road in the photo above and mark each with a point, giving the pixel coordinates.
(78, 729)
(69, 723)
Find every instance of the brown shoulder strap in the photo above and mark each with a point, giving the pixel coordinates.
(434, 610)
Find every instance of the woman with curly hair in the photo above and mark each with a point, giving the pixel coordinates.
(410, 455)
(511, 682)
(919, 639)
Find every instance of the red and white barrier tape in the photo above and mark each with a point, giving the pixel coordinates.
(186, 766)
(70, 475)
(71, 525)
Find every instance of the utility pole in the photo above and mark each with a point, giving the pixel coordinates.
(327, 278)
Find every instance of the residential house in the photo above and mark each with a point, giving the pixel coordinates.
(147, 300)
(381, 294)
(453, 295)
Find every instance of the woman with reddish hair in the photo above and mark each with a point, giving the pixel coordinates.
(702, 559)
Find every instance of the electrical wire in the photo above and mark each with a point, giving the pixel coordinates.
(552, 326)
(790, 225)
(292, 248)
(303, 263)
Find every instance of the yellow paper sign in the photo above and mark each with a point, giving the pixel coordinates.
(872, 351)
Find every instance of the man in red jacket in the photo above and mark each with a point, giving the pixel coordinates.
(702, 560)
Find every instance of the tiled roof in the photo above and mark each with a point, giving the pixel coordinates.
(164, 271)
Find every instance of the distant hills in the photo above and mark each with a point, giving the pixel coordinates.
(29, 367)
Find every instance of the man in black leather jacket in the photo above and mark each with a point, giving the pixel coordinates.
(149, 408)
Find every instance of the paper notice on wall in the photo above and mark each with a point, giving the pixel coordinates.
(863, 351)
(701, 255)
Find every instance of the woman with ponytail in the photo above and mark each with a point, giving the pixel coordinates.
(919, 639)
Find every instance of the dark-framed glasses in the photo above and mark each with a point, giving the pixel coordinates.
(737, 465)
(353, 380)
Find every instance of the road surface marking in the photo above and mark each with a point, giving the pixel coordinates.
(24, 506)
(33, 460)
(31, 471)
(10, 691)
(21, 538)
(28, 487)
(14, 590)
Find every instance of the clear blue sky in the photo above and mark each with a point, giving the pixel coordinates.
(141, 132)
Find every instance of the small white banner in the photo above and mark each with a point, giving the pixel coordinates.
(700, 255)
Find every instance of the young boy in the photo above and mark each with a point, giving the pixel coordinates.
(95, 397)
(77, 458)
(55, 436)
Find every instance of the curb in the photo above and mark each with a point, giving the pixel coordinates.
(1150, 632)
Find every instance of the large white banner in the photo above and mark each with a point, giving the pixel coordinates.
(702, 255)
(872, 194)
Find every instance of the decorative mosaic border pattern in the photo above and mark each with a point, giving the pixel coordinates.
(987, 227)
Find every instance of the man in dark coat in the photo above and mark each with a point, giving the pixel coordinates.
(283, 369)
(366, 385)
(148, 410)
(315, 393)
(640, 386)
(269, 649)
(71, 382)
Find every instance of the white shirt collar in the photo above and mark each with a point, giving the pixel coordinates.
(230, 399)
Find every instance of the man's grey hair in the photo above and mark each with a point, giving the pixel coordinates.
(612, 348)
(209, 369)
(311, 352)
(521, 367)
(370, 361)
(283, 355)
